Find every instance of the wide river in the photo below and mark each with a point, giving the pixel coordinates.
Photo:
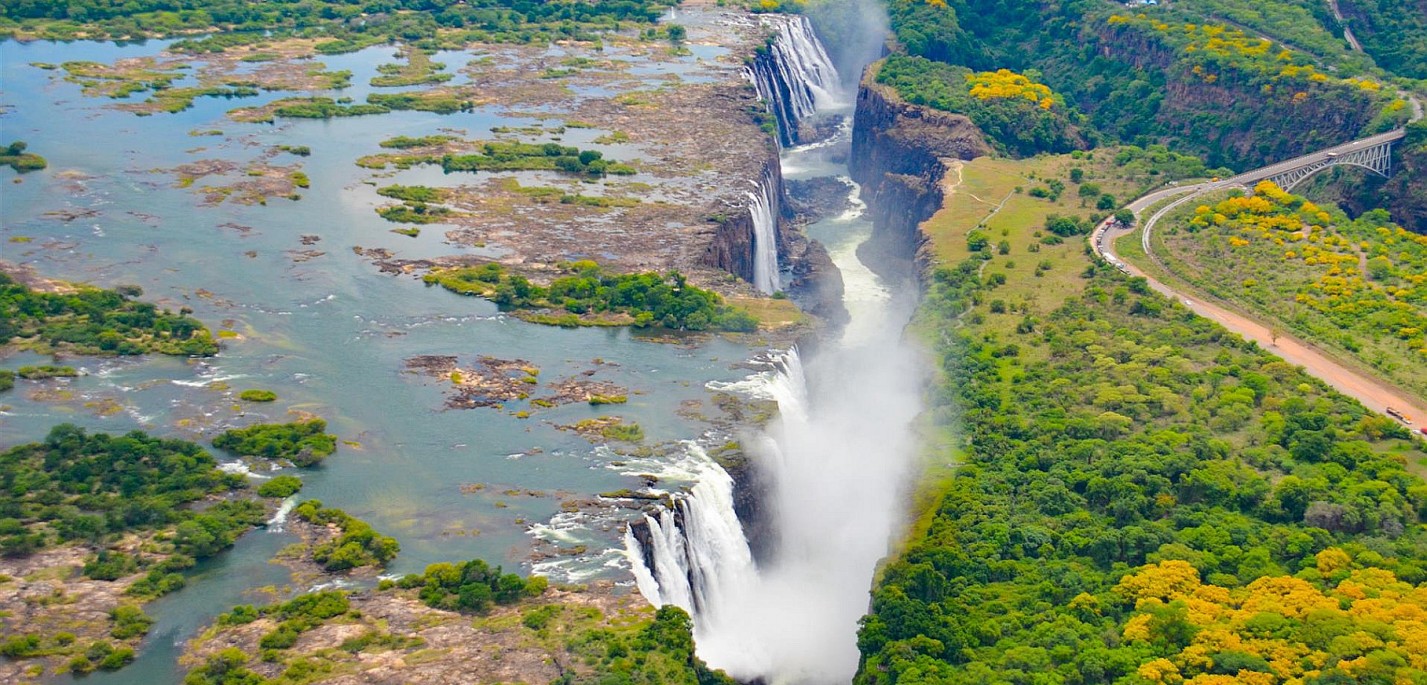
(329, 334)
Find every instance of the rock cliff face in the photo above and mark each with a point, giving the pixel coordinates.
(1228, 118)
(815, 283)
(732, 245)
(897, 157)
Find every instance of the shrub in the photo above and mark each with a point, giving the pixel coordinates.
(280, 486)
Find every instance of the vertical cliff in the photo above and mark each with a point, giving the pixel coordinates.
(897, 157)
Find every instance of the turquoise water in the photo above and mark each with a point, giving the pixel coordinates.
(330, 335)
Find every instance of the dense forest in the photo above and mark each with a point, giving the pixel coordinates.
(1021, 117)
(81, 487)
(94, 321)
(1128, 462)
(1394, 32)
(304, 443)
(1152, 75)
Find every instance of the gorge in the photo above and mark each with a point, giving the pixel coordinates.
(834, 466)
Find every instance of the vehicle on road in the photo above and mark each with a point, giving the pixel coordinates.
(1399, 416)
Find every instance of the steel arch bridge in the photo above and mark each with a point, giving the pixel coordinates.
(1377, 159)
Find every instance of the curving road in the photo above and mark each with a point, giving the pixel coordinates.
(1372, 392)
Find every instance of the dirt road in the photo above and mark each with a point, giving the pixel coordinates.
(1373, 393)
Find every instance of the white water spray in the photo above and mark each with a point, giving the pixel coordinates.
(805, 68)
(798, 79)
(835, 462)
(764, 206)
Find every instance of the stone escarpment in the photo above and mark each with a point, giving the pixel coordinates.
(899, 153)
(808, 274)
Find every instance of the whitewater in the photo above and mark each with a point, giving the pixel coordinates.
(837, 462)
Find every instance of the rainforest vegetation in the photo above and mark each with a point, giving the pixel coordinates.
(88, 320)
(587, 290)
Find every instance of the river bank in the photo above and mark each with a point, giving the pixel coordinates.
(287, 285)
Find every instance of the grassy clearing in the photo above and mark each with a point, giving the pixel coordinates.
(983, 197)
(772, 314)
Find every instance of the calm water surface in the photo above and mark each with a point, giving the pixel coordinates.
(330, 334)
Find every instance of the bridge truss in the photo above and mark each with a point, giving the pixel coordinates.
(1377, 159)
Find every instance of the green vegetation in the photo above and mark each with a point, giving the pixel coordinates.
(7, 380)
(596, 640)
(1116, 65)
(414, 213)
(1112, 450)
(35, 373)
(351, 25)
(641, 300)
(298, 150)
(418, 70)
(16, 158)
(420, 194)
(94, 321)
(303, 443)
(1020, 117)
(280, 486)
(357, 546)
(499, 156)
(1392, 32)
(256, 395)
(428, 101)
(405, 142)
(471, 586)
(122, 82)
(625, 432)
(1353, 286)
(1091, 453)
(322, 108)
(90, 488)
(410, 232)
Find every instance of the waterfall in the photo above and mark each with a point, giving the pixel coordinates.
(796, 78)
(697, 549)
(764, 206)
(279, 519)
(835, 462)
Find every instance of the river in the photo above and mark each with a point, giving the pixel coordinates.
(329, 334)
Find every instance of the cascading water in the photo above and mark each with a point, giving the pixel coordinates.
(796, 79)
(764, 206)
(836, 462)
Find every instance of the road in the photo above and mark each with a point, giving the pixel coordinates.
(1373, 393)
(1347, 30)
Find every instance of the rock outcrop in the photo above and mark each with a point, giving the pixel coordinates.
(898, 153)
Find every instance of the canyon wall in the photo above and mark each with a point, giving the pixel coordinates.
(898, 157)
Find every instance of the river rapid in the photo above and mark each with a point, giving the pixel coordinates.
(323, 328)
(837, 462)
(329, 334)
